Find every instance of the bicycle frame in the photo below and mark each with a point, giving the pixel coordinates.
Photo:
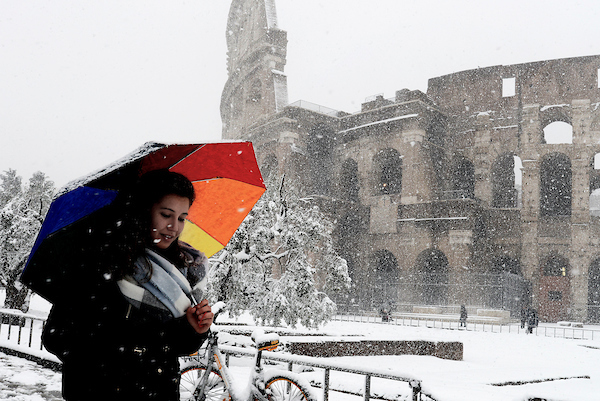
(214, 358)
(262, 386)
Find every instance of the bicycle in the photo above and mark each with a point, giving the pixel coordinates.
(208, 378)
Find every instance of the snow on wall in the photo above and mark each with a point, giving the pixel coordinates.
(554, 105)
(506, 127)
(271, 14)
(281, 91)
(380, 122)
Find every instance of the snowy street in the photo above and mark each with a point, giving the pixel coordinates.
(496, 366)
(24, 380)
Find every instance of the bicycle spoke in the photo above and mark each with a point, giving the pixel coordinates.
(282, 389)
(215, 389)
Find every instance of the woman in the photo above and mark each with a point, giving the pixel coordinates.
(132, 311)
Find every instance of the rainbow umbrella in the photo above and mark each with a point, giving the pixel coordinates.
(225, 176)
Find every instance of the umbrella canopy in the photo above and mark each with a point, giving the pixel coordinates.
(225, 176)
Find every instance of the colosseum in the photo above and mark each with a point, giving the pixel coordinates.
(481, 191)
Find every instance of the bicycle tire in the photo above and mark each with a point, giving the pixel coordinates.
(287, 386)
(215, 387)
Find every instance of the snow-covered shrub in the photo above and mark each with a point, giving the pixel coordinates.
(280, 265)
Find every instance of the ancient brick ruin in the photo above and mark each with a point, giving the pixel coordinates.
(455, 196)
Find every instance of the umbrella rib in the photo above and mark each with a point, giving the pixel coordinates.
(206, 232)
(210, 179)
(189, 155)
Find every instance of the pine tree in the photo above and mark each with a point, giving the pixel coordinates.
(21, 217)
(280, 265)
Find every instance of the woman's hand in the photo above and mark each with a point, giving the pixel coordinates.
(200, 317)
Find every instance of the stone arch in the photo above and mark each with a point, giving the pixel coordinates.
(432, 266)
(555, 265)
(269, 166)
(594, 291)
(551, 114)
(319, 149)
(462, 178)
(556, 125)
(385, 275)
(554, 297)
(506, 264)
(504, 181)
(558, 132)
(349, 185)
(555, 185)
(347, 240)
(388, 171)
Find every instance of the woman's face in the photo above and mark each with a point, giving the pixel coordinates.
(167, 219)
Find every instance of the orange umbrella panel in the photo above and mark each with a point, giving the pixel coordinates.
(220, 207)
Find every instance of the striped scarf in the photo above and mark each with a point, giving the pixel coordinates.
(169, 291)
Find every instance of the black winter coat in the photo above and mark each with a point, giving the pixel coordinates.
(110, 350)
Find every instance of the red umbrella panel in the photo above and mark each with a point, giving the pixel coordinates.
(225, 176)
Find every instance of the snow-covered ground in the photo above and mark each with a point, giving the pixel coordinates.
(22, 380)
(496, 366)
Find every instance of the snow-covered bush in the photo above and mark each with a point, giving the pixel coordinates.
(280, 265)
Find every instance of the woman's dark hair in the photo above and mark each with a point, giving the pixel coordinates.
(133, 209)
(154, 185)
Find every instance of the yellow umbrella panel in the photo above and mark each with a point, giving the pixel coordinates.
(220, 207)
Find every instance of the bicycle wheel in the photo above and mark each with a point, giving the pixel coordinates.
(215, 386)
(287, 386)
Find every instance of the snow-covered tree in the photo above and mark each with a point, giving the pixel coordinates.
(10, 186)
(21, 215)
(280, 265)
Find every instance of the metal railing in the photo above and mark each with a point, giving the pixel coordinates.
(492, 291)
(413, 384)
(314, 107)
(452, 323)
(21, 329)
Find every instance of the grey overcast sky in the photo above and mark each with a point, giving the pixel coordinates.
(85, 82)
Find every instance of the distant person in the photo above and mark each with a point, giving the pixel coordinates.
(532, 320)
(384, 311)
(463, 316)
(523, 316)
